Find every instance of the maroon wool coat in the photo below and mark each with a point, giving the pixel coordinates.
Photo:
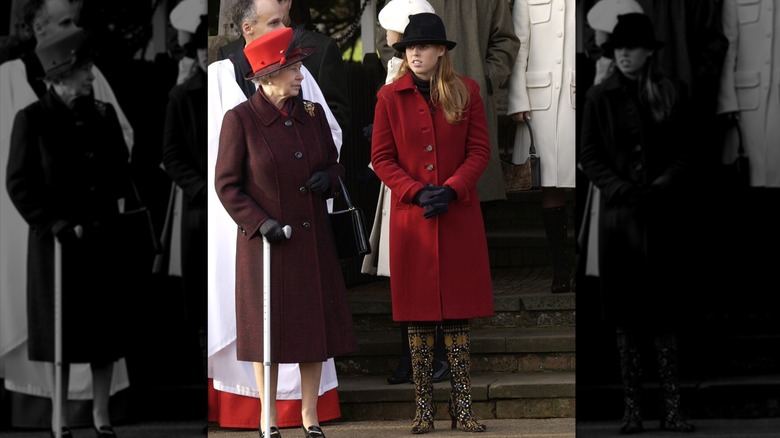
(440, 267)
(263, 162)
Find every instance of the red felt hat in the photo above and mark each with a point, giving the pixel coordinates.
(274, 51)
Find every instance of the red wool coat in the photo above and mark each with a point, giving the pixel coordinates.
(440, 267)
(263, 163)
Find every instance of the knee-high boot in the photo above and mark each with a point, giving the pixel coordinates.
(421, 340)
(666, 353)
(555, 226)
(631, 376)
(456, 340)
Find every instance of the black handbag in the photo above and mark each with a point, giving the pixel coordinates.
(525, 176)
(349, 229)
(736, 174)
(137, 236)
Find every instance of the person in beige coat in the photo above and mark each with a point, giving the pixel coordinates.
(487, 47)
(542, 92)
(750, 85)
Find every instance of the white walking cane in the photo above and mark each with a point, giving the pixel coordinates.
(57, 338)
(267, 330)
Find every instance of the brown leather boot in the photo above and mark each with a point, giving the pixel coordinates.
(631, 376)
(421, 340)
(666, 353)
(456, 340)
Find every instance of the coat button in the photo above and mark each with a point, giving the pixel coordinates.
(288, 122)
(90, 154)
(303, 190)
(429, 166)
(433, 110)
(299, 155)
(306, 225)
(429, 148)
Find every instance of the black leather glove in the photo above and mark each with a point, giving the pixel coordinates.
(435, 209)
(68, 235)
(439, 195)
(319, 182)
(368, 130)
(423, 197)
(272, 230)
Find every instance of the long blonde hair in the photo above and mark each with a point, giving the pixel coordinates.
(448, 91)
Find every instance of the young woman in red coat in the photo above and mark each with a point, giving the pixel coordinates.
(277, 165)
(430, 145)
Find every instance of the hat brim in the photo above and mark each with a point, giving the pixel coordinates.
(267, 70)
(609, 46)
(401, 45)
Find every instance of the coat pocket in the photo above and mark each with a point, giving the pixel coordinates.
(748, 86)
(539, 85)
(539, 11)
(748, 11)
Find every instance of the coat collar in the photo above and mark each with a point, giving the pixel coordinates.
(403, 83)
(267, 113)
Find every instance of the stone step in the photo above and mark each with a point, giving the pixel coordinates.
(740, 396)
(537, 350)
(494, 396)
(517, 245)
(521, 299)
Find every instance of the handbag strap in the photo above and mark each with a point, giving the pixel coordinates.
(740, 147)
(346, 194)
(531, 149)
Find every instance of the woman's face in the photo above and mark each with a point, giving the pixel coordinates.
(77, 83)
(285, 83)
(632, 60)
(422, 59)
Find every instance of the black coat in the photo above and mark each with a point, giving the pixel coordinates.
(644, 170)
(184, 158)
(66, 169)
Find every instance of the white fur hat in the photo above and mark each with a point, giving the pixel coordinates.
(186, 15)
(603, 15)
(395, 15)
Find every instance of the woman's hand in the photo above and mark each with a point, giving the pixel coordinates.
(319, 182)
(273, 231)
(522, 116)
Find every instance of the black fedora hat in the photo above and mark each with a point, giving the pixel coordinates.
(633, 30)
(200, 39)
(424, 28)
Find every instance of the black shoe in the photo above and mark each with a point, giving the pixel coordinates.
(402, 374)
(105, 432)
(66, 433)
(313, 432)
(273, 434)
(441, 370)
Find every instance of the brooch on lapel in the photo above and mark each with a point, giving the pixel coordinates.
(309, 107)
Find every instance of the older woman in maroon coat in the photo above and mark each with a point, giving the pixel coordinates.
(430, 145)
(276, 166)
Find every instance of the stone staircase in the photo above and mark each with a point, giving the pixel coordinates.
(523, 357)
(729, 363)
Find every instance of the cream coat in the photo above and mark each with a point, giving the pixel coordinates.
(750, 84)
(543, 81)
